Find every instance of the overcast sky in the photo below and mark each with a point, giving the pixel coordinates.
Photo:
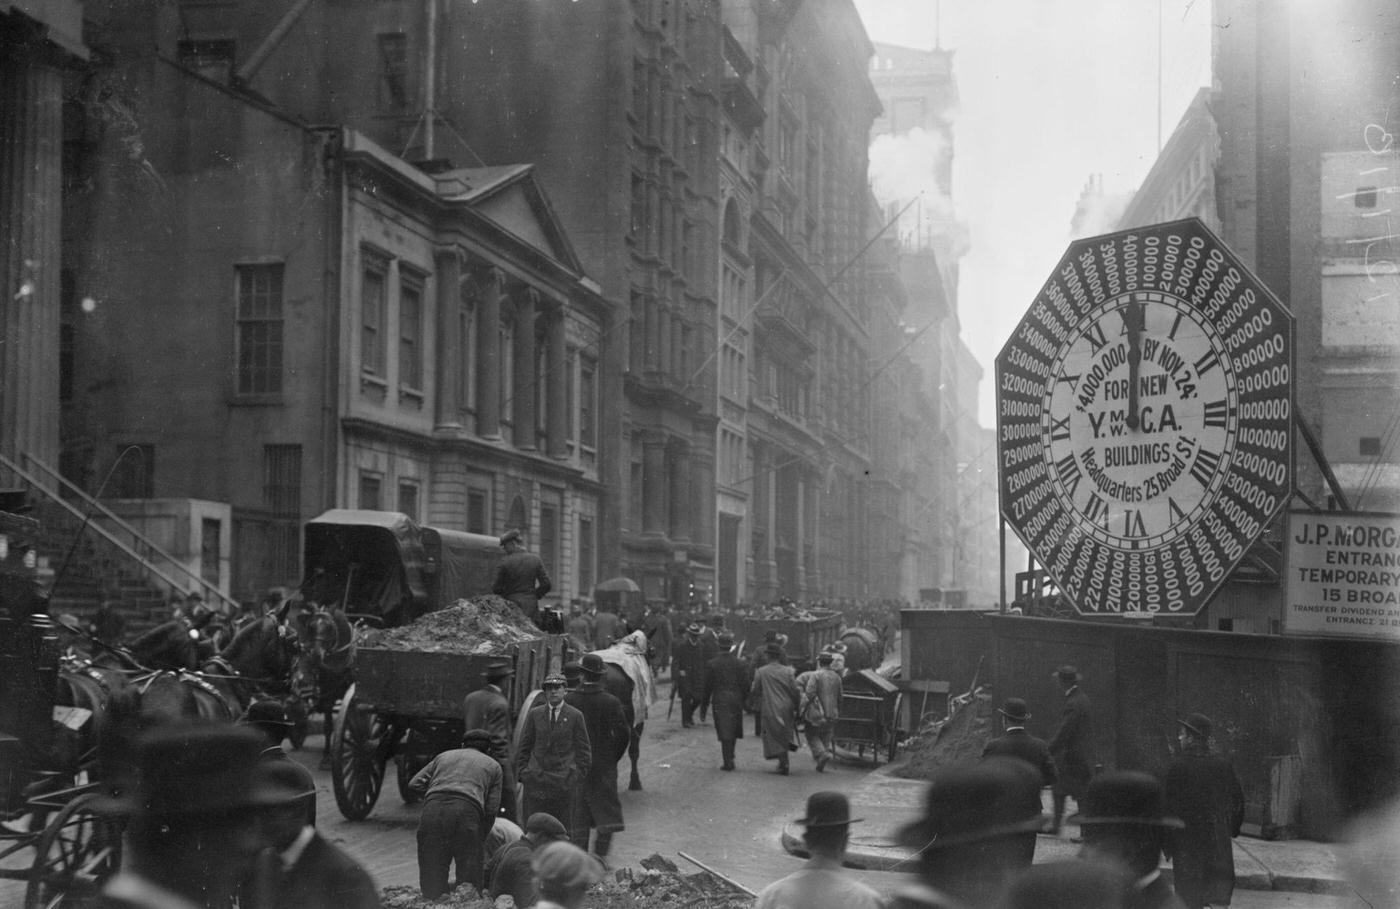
(1052, 92)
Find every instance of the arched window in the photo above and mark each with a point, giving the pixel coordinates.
(518, 519)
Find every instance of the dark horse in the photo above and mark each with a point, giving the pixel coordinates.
(620, 685)
(327, 666)
(258, 663)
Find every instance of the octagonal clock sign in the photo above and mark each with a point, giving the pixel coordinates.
(1144, 408)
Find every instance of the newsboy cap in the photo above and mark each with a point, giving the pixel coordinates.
(510, 536)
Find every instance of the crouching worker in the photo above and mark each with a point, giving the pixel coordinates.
(462, 793)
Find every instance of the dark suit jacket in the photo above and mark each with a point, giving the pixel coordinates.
(727, 682)
(324, 877)
(1073, 744)
(1019, 743)
(609, 734)
(1203, 790)
(521, 572)
(553, 758)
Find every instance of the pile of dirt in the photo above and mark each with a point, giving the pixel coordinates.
(957, 738)
(482, 625)
(658, 884)
(789, 611)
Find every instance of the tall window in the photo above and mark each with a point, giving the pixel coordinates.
(373, 282)
(282, 479)
(507, 361)
(393, 71)
(411, 333)
(259, 329)
(466, 330)
(408, 498)
(478, 518)
(134, 476)
(370, 484)
(587, 546)
(549, 538)
(588, 402)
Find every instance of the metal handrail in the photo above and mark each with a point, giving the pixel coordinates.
(97, 506)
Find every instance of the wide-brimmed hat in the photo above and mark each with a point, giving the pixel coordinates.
(593, 665)
(1198, 723)
(1124, 797)
(267, 713)
(510, 536)
(498, 669)
(967, 803)
(193, 771)
(1014, 709)
(692, 628)
(1067, 673)
(827, 809)
(288, 777)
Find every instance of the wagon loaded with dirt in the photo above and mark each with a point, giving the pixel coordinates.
(808, 631)
(429, 589)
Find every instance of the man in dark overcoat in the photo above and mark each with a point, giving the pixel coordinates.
(554, 755)
(487, 708)
(727, 682)
(688, 672)
(1015, 741)
(609, 734)
(1203, 790)
(521, 576)
(1072, 746)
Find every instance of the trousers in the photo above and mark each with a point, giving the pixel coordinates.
(820, 739)
(450, 829)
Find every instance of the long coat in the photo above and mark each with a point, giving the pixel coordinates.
(775, 686)
(553, 758)
(1019, 743)
(688, 667)
(521, 578)
(1203, 790)
(1073, 744)
(608, 737)
(727, 682)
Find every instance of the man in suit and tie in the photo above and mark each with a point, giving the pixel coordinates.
(487, 708)
(554, 756)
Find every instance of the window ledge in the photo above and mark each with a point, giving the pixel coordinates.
(257, 400)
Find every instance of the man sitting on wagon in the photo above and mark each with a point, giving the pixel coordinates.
(521, 576)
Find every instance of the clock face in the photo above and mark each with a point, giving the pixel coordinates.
(1140, 419)
(1144, 419)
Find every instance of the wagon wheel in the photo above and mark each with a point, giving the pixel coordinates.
(74, 856)
(894, 724)
(534, 697)
(357, 757)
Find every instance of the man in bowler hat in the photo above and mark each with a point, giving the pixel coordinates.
(970, 841)
(487, 708)
(1016, 742)
(461, 793)
(1072, 745)
(821, 883)
(1203, 790)
(521, 576)
(609, 734)
(688, 672)
(727, 681)
(191, 830)
(1124, 822)
(299, 868)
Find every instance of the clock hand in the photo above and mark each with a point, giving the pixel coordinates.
(1134, 361)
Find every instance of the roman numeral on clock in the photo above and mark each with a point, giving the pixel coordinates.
(1068, 469)
(1176, 323)
(1059, 430)
(1176, 512)
(1133, 525)
(1096, 337)
(1206, 363)
(1096, 510)
(1215, 414)
(1204, 468)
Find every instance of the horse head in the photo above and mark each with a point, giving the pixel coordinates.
(332, 639)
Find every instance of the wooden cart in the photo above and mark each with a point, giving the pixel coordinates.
(869, 715)
(406, 705)
(805, 637)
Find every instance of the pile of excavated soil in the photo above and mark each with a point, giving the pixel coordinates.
(958, 738)
(482, 625)
(658, 884)
(787, 611)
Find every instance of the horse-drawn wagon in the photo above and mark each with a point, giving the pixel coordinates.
(390, 575)
(808, 632)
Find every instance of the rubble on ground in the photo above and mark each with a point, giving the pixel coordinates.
(657, 884)
(481, 625)
(957, 738)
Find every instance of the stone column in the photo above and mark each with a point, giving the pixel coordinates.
(488, 356)
(449, 356)
(681, 516)
(557, 382)
(654, 485)
(663, 339)
(31, 150)
(523, 397)
(702, 499)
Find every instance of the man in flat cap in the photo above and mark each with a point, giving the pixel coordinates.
(461, 793)
(510, 872)
(487, 708)
(821, 883)
(191, 812)
(521, 576)
(555, 754)
(1072, 746)
(1124, 822)
(565, 872)
(970, 841)
(1203, 790)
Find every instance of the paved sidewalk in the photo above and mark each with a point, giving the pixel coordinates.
(886, 803)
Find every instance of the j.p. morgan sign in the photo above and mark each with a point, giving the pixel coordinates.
(1343, 575)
